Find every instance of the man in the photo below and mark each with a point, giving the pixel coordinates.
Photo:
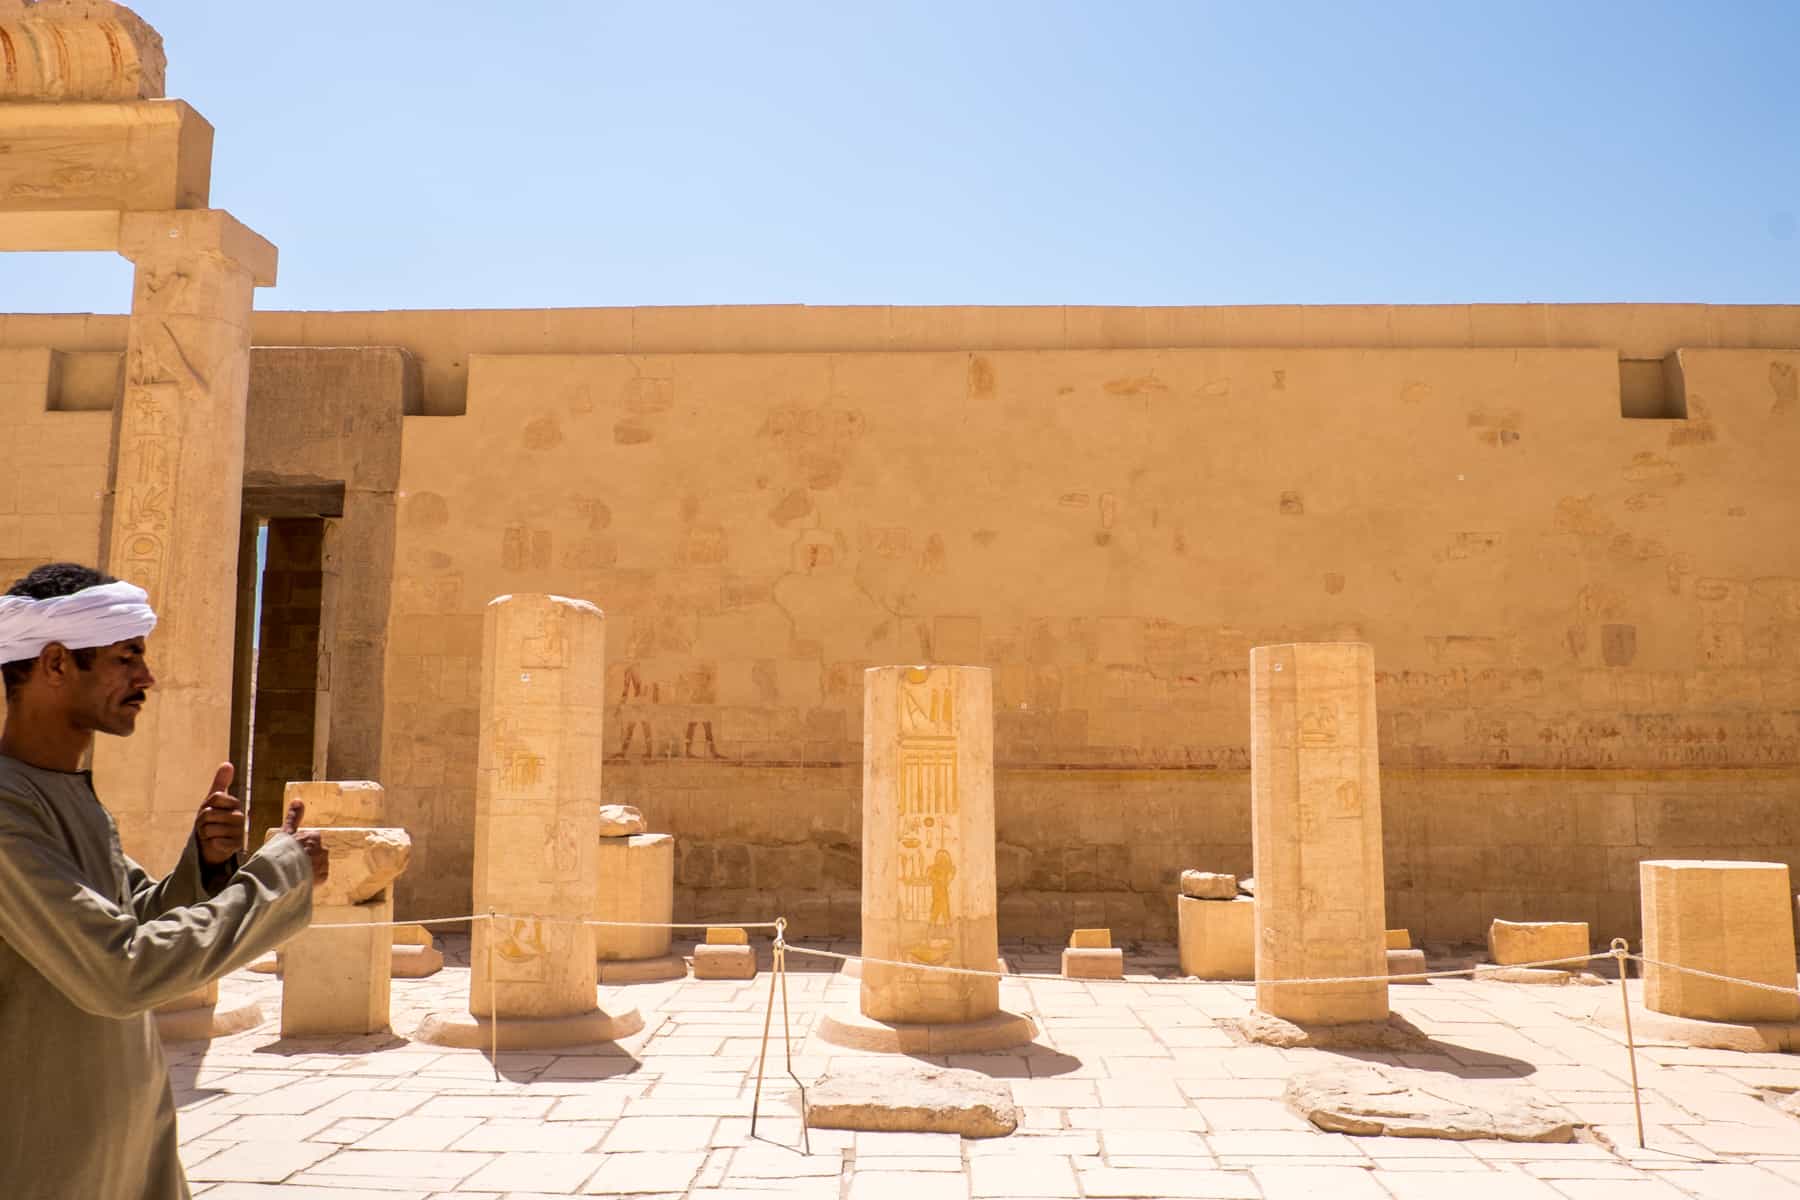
(90, 944)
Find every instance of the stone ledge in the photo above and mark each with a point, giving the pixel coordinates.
(1652, 1027)
(850, 1029)
(463, 1031)
(641, 970)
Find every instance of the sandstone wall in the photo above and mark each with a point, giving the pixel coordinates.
(1587, 627)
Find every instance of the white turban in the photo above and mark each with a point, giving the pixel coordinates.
(96, 616)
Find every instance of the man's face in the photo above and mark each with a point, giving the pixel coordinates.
(108, 697)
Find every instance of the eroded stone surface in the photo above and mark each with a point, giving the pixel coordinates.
(1386, 1101)
(1395, 1033)
(888, 1097)
(621, 820)
(364, 862)
(1208, 885)
(79, 50)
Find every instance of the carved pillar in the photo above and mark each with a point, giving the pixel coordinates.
(177, 492)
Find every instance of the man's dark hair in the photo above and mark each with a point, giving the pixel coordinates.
(47, 583)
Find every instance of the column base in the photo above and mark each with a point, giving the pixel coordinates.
(642, 970)
(1395, 1033)
(464, 1031)
(227, 1017)
(849, 1028)
(1750, 1037)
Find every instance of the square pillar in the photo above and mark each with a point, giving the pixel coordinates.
(177, 492)
(1316, 827)
(928, 889)
(537, 817)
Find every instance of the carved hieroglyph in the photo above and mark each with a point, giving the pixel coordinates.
(536, 824)
(175, 506)
(928, 842)
(1316, 828)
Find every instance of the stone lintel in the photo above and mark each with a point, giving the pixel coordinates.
(37, 232)
(146, 237)
(149, 156)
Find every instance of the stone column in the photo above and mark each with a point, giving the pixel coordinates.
(1316, 826)
(928, 843)
(537, 828)
(173, 512)
(1730, 918)
(637, 884)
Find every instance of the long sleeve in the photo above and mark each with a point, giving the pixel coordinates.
(112, 961)
(184, 885)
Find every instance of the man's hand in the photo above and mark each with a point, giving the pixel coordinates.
(309, 840)
(219, 827)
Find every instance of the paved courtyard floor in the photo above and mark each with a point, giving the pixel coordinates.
(1134, 1089)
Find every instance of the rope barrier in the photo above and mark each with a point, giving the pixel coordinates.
(1186, 981)
(500, 916)
(1749, 983)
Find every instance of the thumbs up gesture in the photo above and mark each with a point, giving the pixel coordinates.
(309, 840)
(219, 826)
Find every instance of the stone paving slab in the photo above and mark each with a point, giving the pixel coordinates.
(1133, 1089)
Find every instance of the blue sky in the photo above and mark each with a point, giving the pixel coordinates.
(452, 154)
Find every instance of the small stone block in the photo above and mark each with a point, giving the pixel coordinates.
(1096, 963)
(1218, 937)
(724, 962)
(1091, 939)
(1557, 943)
(1406, 966)
(726, 936)
(1399, 939)
(901, 1097)
(1206, 885)
(416, 962)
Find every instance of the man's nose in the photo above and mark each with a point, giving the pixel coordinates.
(144, 679)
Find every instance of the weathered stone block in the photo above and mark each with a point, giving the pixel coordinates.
(886, 1096)
(1207, 885)
(1090, 939)
(1406, 966)
(151, 157)
(637, 883)
(1399, 939)
(724, 962)
(726, 936)
(364, 864)
(1093, 963)
(1729, 918)
(330, 803)
(1218, 937)
(1562, 944)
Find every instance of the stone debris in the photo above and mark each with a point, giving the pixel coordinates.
(889, 1097)
(1378, 1101)
(621, 820)
(1206, 885)
(1562, 943)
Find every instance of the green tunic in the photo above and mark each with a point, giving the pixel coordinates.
(89, 944)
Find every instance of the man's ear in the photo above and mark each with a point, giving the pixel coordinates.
(56, 664)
